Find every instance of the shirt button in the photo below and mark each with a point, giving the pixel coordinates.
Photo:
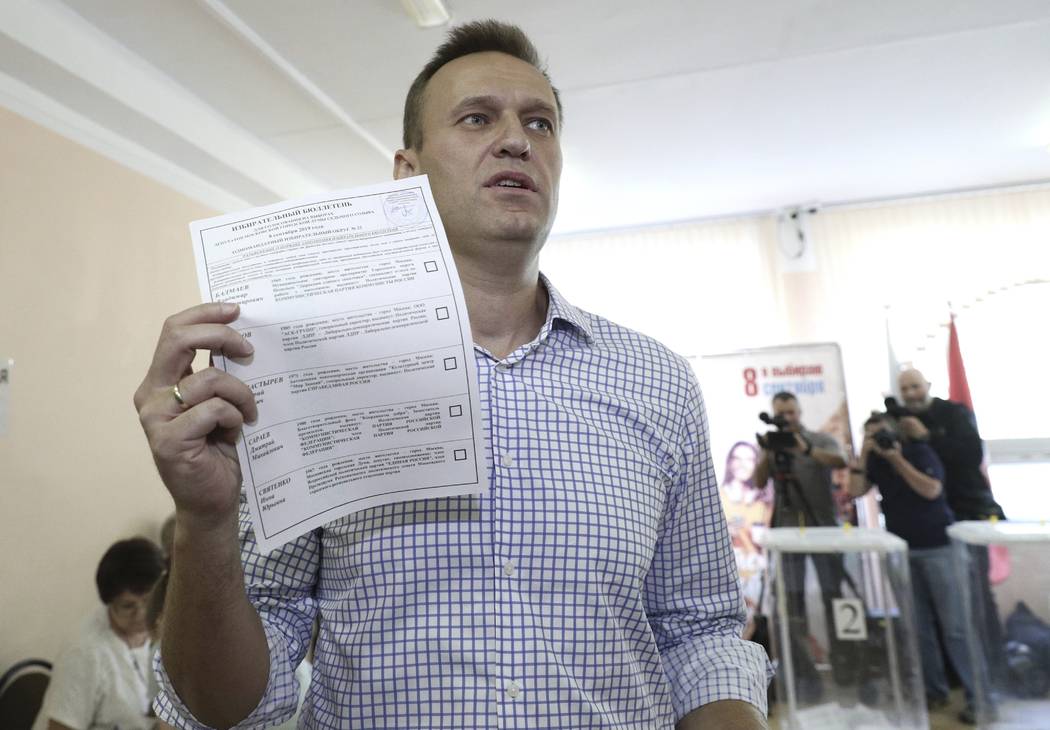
(513, 690)
(508, 568)
(507, 459)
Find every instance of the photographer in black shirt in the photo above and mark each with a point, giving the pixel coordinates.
(951, 429)
(910, 477)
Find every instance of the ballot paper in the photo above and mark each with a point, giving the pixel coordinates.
(363, 369)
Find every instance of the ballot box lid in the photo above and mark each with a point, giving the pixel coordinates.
(999, 533)
(831, 540)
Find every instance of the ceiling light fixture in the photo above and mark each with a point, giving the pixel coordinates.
(427, 13)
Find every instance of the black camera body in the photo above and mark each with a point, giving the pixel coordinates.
(777, 440)
(781, 441)
(885, 438)
(895, 409)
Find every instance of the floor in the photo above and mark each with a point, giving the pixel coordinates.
(1032, 716)
(943, 719)
(946, 718)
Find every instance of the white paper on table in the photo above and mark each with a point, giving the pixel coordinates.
(363, 369)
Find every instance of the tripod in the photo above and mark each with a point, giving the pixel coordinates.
(789, 498)
(784, 483)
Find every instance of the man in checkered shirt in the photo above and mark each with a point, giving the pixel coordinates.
(593, 586)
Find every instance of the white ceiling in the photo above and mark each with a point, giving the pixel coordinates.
(675, 109)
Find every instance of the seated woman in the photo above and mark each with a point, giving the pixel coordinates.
(102, 680)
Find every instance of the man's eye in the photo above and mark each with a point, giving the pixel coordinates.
(541, 125)
(474, 119)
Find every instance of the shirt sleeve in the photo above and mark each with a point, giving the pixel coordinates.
(827, 442)
(73, 694)
(280, 585)
(925, 459)
(692, 592)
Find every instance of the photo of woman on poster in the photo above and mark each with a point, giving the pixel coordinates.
(748, 510)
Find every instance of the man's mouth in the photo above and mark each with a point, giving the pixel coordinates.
(511, 181)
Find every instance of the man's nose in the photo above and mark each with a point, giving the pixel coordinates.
(513, 141)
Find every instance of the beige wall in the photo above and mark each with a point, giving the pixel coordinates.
(92, 258)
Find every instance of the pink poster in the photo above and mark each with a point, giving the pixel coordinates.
(737, 387)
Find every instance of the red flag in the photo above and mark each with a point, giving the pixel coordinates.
(958, 387)
(959, 391)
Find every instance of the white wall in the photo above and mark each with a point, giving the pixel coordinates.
(705, 288)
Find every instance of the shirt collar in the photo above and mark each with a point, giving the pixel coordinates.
(560, 310)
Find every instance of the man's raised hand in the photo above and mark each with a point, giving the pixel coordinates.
(193, 440)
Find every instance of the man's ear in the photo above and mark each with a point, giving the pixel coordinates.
(406, 164)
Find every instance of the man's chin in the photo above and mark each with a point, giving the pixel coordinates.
(518, 227)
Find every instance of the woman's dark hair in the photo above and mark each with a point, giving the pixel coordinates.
(463, 40)
(729, 459)
(129, 565)
(765, 491)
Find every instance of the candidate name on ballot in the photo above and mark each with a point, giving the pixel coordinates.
(363, 368)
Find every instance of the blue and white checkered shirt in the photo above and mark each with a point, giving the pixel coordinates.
(592, 587)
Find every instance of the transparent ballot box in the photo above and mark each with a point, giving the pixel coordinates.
(1003, 569)
(842, 630)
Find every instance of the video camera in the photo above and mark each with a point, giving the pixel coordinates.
(780, 439)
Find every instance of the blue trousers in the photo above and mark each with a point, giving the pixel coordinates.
(938, 601)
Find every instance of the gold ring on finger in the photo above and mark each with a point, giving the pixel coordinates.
(178, 395)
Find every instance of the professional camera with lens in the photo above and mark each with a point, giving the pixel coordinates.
(885, 438)
(780, 439)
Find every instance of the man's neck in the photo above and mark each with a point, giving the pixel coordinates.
(507, 304)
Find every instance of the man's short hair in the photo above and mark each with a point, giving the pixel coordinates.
(129, 565)
(463, 40)
(784, 395)
(877, 418)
